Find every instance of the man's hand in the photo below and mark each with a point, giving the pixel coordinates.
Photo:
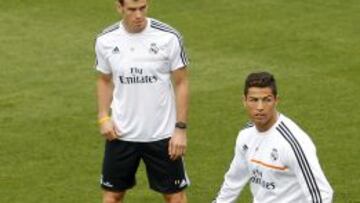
(108, 130)
(177, 144)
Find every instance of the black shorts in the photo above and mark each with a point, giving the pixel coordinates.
(122, 159)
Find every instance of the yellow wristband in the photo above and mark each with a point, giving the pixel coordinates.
(103, 120)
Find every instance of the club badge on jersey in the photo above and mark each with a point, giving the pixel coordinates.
(274, 154)
(154, 48)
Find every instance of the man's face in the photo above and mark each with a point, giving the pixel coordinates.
(260, 104)
(134, 14)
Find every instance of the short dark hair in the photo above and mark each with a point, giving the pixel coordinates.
(122, 1)
(260, 79)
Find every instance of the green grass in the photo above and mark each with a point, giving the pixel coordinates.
(50, 149)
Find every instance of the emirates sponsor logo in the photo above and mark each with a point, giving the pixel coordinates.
(257, 178)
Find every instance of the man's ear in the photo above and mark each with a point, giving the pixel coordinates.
(244, 100)
(277, 99)
(119, 7)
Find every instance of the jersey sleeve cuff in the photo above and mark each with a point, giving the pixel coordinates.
(102, 70)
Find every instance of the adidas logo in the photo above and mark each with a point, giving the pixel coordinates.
(181, 183)
(105, 183)
(116, 50)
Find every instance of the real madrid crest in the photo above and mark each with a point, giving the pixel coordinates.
(154, 48)
(274, 154)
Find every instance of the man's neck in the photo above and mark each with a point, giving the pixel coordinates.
(269, 124)
(133, 31)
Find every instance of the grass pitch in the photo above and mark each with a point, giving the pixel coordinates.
(50, 149)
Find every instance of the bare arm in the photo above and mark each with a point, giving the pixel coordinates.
(104, 97)
(182, 93)
(178, 141)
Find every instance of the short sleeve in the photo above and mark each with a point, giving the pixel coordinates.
(178, 57)
(101, 63)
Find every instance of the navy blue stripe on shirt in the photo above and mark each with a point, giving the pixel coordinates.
(302, 161)
(317, 191)
(110, 28)
(166, 28)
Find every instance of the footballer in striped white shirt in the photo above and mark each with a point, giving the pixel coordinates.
(273, 154)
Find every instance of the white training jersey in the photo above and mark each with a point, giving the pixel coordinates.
(281, 165)
(143, 104)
